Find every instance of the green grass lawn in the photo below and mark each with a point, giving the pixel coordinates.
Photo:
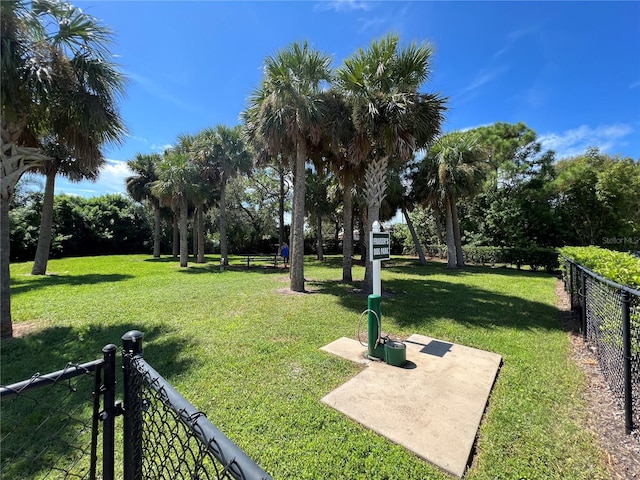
(249, 356)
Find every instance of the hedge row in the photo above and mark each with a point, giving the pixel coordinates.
(619, 267)
(535, 258)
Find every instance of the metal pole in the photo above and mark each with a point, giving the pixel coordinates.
(571, 286)
(376, 271)
(375, 347)
(132, 444)
(583, 280)
(626, 353)
(108, 412)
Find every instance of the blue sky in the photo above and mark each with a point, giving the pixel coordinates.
(569, 70)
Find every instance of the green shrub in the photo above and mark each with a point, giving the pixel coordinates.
(619, 267)
(534, 257)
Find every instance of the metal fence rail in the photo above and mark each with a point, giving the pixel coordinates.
(167, 436)
(49, 424)
(610, 319)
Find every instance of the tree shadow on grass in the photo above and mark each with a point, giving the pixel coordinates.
(27, 284)
(49, 427)
(50, 349)
(418, 302)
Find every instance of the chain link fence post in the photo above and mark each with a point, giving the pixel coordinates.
(626, 354)
(583, 304)
(132, 429)
(108, 414)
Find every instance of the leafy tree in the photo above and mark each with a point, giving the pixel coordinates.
(253, 203)
(285, 112)
(57, 80)
(516, 205)
(391, 117)
(598, 198)
(318, 204)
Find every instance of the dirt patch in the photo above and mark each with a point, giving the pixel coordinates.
(606, 417)
(23, 329)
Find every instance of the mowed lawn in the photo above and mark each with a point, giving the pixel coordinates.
(248, 355)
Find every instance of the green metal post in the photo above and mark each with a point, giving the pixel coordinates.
(376, 349)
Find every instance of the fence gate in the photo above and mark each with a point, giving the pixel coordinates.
(65, 425)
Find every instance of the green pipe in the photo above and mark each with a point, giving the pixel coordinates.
(375, 345)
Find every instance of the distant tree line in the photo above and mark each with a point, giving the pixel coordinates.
(588, 199)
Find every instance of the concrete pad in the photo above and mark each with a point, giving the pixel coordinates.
(432, 406)
(344, 347)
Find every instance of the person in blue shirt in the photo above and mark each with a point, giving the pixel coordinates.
(284, 253)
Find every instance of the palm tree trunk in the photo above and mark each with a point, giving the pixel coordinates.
(157, 218)
(437, 214)
(347, 237)
(46, 223)
(375, 185)
(194, 235)
(319, 251)
(281, 238)
(6, 326)
(456, 233)
(373, 214)
(176, 246)
(224, 252)
(451, 244)
(414, 236)
(297, 234)
(184, 234)
(200, 221)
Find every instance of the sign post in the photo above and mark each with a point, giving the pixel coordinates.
(380, 249)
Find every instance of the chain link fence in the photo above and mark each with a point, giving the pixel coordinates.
(53, 426)
(166, 436)
(610, 319)
(48, 425)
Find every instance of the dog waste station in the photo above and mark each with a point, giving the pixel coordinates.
(425, 394)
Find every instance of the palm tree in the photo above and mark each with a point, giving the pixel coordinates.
(178, 179)
(224, 149)
(454, 167)
(391, 117)
(58, 80)
(285, 112)
(62, 161)
(139, 188)
(337, 145)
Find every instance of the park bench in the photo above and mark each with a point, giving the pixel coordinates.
(260, 257)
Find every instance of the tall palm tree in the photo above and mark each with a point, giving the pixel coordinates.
(337, 145)
(391, 116)
(178, 179)
(57, 80)
(139, 188)
(75, 169)
(454, 167)
(224, 149)
(285, 112)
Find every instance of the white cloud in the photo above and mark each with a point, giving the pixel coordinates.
(576, 141)
(635, 84)
(483, 78)
(113, 175)
(342, 5)
(161, 148)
